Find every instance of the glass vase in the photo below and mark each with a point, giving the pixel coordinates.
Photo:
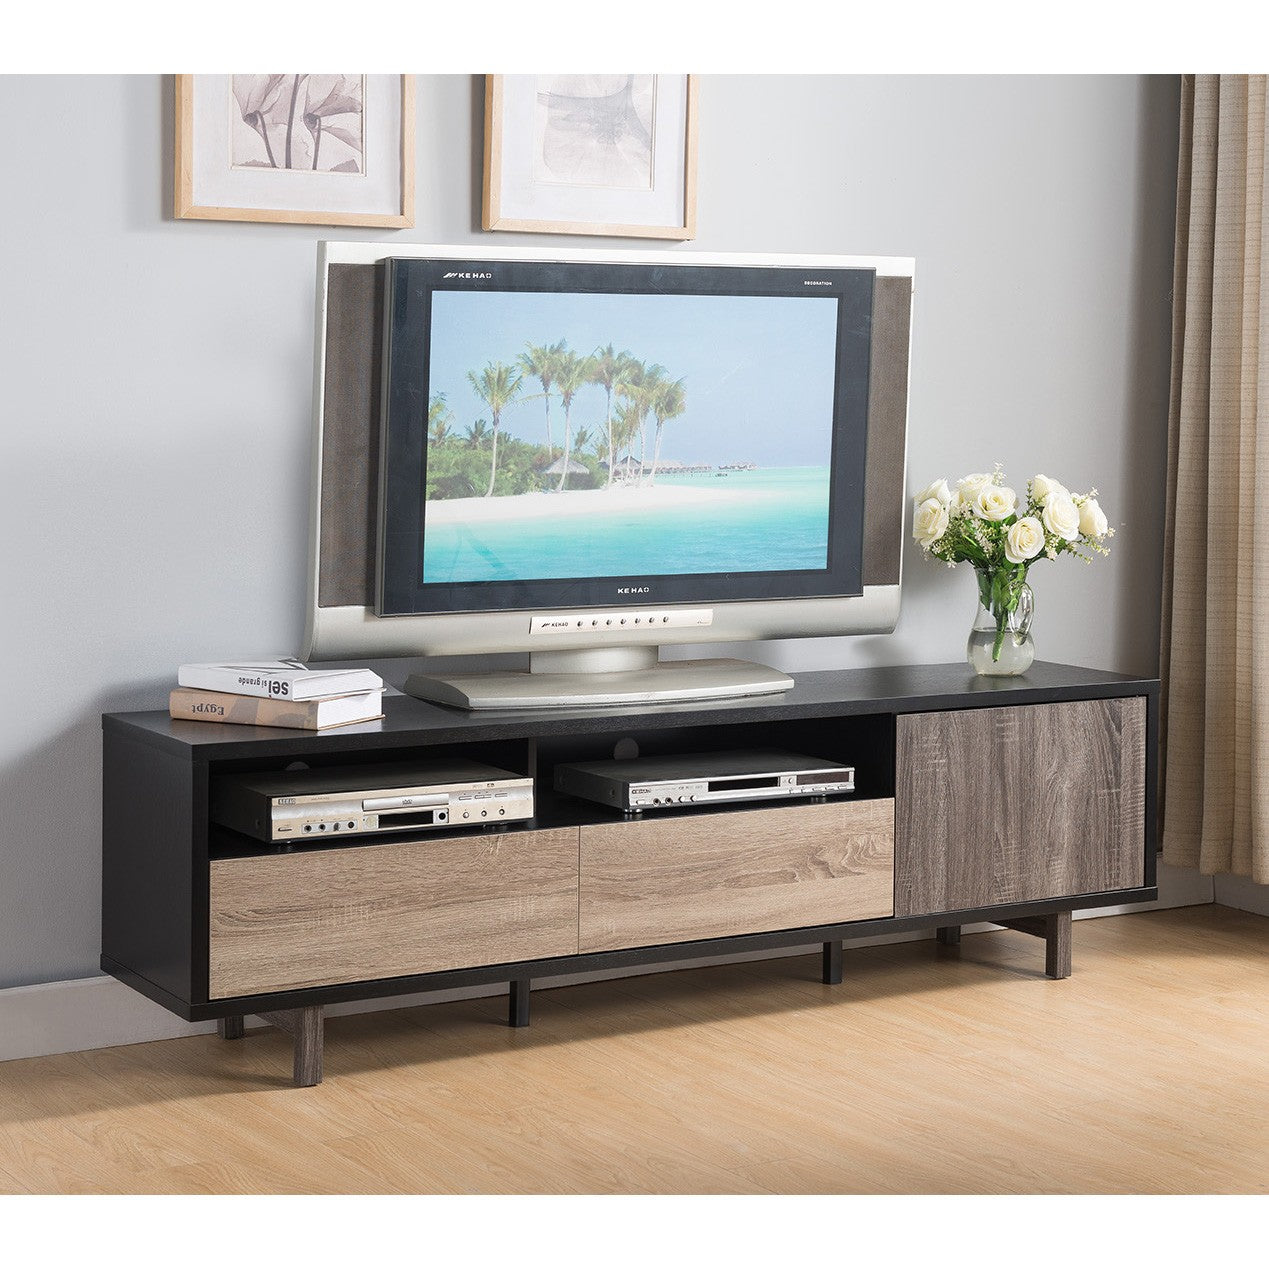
(1000, 638)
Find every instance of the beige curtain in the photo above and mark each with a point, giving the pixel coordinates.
(1215, 642)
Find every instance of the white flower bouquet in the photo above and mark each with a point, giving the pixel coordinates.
(984, 523)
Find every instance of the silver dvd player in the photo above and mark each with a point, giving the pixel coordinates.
(346, 801)
(643, 784)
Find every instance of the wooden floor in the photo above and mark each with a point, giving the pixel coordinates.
(929, 1070)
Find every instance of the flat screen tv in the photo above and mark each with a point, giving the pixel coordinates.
(583, 456)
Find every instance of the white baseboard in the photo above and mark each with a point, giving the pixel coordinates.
(100, 1012)
(1242, 892)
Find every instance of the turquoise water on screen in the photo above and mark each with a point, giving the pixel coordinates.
(780, 524)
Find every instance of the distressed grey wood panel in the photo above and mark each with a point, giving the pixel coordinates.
(1019, 803)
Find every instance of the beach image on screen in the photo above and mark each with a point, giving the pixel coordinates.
(627, 435)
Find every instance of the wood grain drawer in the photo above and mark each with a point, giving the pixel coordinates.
(1019, 803)
(381, 911)
(665, 880)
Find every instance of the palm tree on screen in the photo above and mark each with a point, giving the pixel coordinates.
(607, 368)
(625, 423)
(439, 419)
(571, 373)
(637, 386)
(582, 438)
(540, 362)
(477, 434)
(667, 401)
(497, 385)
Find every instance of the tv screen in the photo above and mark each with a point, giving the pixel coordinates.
(568, 434)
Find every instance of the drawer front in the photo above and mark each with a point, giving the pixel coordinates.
(1019, 803)
(280, 922)
(743, 872)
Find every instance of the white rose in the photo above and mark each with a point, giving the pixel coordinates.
(968, 486)
(938, 491)
(1093, 522)
(1062, 518)
(929, 522)
(1043, 488)
(995, 502)
(1024, 540)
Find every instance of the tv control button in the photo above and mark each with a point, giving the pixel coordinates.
(466, 815)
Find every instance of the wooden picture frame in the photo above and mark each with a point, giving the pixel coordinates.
(514, 200)
(388, 203)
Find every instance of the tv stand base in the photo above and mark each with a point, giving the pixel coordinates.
(662, 682)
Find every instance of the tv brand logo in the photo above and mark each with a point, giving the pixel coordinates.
(468, 275)
(814, 282)
(634, 590)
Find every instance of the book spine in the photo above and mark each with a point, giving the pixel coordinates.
(253, 711)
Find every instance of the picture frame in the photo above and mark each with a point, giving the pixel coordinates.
(611, 155)
(296, 149)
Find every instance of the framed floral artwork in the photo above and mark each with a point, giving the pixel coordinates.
(296, 149)
(591, 154)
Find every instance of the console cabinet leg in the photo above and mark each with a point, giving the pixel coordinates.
(518, 1010)
(832, 973)
(305, 1026)
(948, 935)
(1057, 945)
(231, 1028)
(1055, 929)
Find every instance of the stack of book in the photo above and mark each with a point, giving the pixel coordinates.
(276, 694)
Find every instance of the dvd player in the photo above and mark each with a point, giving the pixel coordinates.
(321, 802)
(642, 784)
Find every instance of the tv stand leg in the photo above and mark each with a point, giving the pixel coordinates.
(1057, 945)
(231, 1028)
(832, 962)
(1055, 930)
(518, 1009)
(948, 935)
(305, 1026)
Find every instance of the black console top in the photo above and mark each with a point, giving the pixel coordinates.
(817, 693)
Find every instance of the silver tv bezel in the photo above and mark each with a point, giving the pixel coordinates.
(357, 631)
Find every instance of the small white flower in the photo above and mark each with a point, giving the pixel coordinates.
(1061, 517)
(995, 502)
(929, 522)
(1044, 487)
(1024, 540)
(938, 490)
(1093, 522)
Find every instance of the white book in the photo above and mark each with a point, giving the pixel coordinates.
(281, 680)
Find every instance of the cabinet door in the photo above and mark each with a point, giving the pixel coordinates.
(381, 911)
(1020, 803)
(673, 878)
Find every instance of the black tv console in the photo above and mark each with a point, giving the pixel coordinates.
(1015, 801)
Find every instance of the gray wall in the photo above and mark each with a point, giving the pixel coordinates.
(155, 379)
